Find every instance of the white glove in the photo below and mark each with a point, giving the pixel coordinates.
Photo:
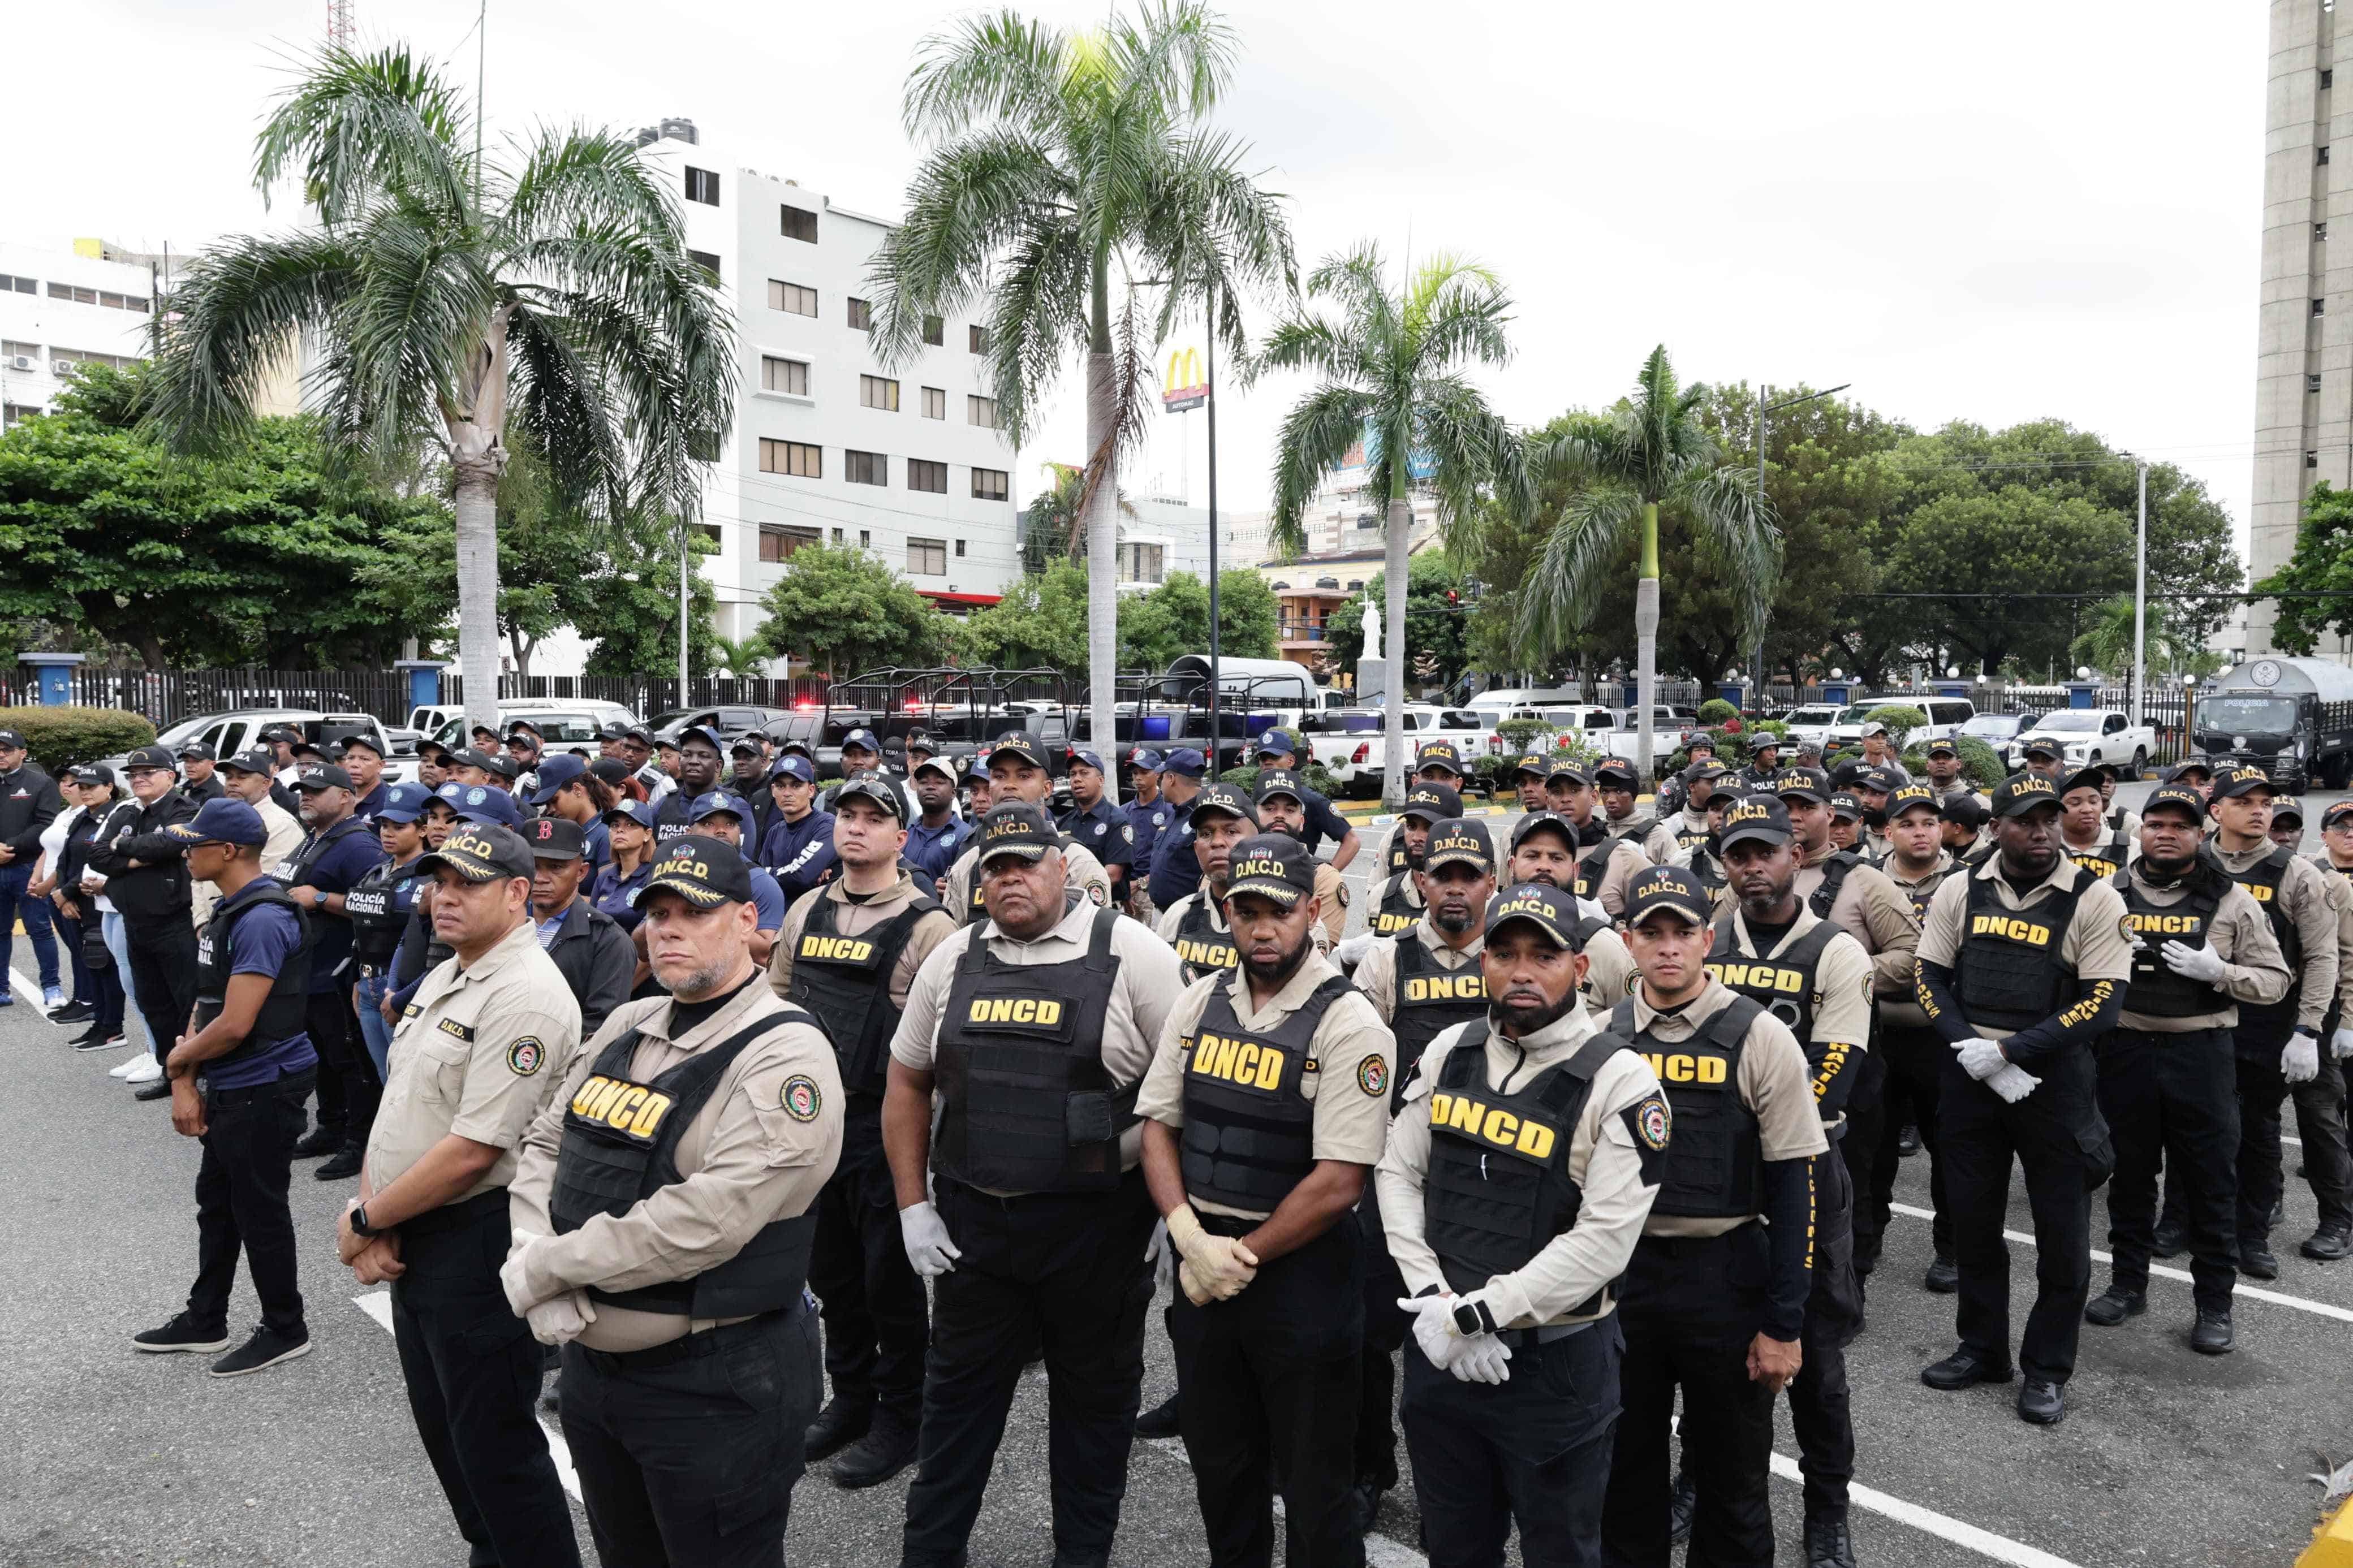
(1161, 1255)
(2013, 1083)
(2340, 1044)
(519, 1301)
(925, 1236)
(1433, 1327)
(554, 1322)
(2199, 963)
(1981, 1058)
(1352, 950)
(1221, 1264)
(2300, 1062)
(1483, 1360)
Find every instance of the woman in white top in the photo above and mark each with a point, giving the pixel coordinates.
(44, 886)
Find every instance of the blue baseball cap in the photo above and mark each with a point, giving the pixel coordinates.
(638, 811)
(1087, 760)
(706, 734)
(223, 821)
(1185, 760)
(403, 803)
(861, 738)
(487, 803)
(792, 765)
(1144, 759)
(554, 774)
(712, 802)
(1278, 742)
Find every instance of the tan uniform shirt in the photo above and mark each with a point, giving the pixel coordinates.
(1841, 997)
(1603, 1159)
(854, 918)
(1377, 976)
(1773, 1082)
(2093, 950)
(1166, 923)
(1906, 1012)
(477, 1054)
(1626, 862)
(2304, 896)
(2340, 884)
(1609, 973)
(1081, 870)
(1144, 992)
(1352, 1050)
(1870, 910)
(756, 1153)
(2253, 968)
(1654, 838)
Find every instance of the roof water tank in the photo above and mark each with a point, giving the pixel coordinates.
(681, 129)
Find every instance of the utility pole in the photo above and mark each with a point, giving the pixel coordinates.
(2140, 601)
(1216, 675)
(685, 598)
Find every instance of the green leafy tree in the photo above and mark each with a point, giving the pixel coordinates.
(1040, 623)
(2105, 643)
(1051, 527)
(1389, 366)
(1057, 163)
(1435, 624)
(448, 293)
(844, 611)
(1653, 450)
(1157, 629)
(2316, 583)
(630, 612)
(2008, 543)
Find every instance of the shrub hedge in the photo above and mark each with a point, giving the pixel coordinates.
(60, 738)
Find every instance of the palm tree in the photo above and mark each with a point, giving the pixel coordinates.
(1051, 525)
(1652, 450)
(739, 656)
(2106, 643)
(445, 294)
(1391, 366)
(1061, 164)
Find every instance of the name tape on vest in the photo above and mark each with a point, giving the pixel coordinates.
(1471, 987)
(836, 948)
(2011, 928)
(1244, 1062)
(1679, 1067)
(1015, 1010)
(1742, 976)
(627, 1108)
(1491, 1124)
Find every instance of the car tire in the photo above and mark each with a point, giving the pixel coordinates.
(2140, 762)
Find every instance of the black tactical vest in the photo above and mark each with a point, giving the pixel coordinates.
(2102, 860)
(1690, 837)
(294, 871)
(620, 1147)
(378, 906)
(1835, 870)
(1707, 865)
(1786, 985)
(1431, 1000)
(1498, 1190)
(976, 906)
(1203, 945)
(2010, 974)
(1593, 866)
(1399, 907)
(1026, 1105)
(2263, 881)
(844, 984)
(674, 818)
(281, 1016)
(1249, 1132)
(2155, 990)
(1715, 1161)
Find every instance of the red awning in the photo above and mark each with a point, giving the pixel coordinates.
(945, 597)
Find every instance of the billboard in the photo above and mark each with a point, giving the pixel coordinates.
(1185, 387)
(1417, 465)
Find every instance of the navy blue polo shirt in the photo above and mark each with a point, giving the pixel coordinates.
(1175, 869)
(617, 897)
(265, 939)
(339, 870)
(799, 853)
(1322, 822)
(1103, 832)
(1149, 819)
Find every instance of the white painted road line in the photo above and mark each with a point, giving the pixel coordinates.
(2276, 1298)
(1984, 1543)
(377, 1304)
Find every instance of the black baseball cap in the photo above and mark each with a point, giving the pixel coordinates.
(1537, 822)
(1272, 865)
(479, 852)
(1907, 796)
(1221, 798)
(1432, 802)
(1812, 782)
(1671, 889)
(1943, 748)
(2091, 777)
(468, 757)
(2338, 811)
(746, 743)
(1567, 768)
(1613, 769)
(326, 775)
(2285, 807)
(2041, 747)
(612, 770)
(285, 732)
(1965, 807)
(2189, 802)
(1020, 748)
(358, 738)
(1460, 841)
(1843, 802)
(555, 838)
(1534, 763)
(867, 784)
(190, 752)
(501, 764)
(14, 741)
(1442, 753)
(706, 872)
(1017, 827)
(613, 730)
(2233, 781)
(1759, 816)
(1877, 779)
(1279, 781)
(93, 774)
(1543, 906)
(2023, 791)
(151, 757)
(254, 760)
(2187, 767)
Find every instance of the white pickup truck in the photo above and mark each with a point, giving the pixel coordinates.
(1351, 746)
(2088, 735)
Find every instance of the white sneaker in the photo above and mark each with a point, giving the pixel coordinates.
(123, 1069)
(144, 1069)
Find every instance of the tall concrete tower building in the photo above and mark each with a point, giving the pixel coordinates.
(2303, 357)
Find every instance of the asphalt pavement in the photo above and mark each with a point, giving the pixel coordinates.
(2165, 1458)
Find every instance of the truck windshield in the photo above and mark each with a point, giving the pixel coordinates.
(2244, 715)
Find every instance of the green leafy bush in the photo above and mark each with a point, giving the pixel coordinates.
(1716, 710)
(1900, 721)
(1312, 773)
(59, 738)
(1525, 735)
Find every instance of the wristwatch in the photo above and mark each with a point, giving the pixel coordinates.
(319, 898)
(360, 1226)
(1472, 1318)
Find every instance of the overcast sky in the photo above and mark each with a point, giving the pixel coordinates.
(1997, 212)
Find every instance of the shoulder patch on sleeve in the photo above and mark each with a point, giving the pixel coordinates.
(1373, 1076)
(526, 1057)
(801, 1098)
(1651, 1125)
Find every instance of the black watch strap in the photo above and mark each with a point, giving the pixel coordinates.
(1473, 1318)
(360, 1226)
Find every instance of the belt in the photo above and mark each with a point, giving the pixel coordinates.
(452, 1216)
(1520, 1338)
(686, 1347)
(1017, 1202)
(219, 1097)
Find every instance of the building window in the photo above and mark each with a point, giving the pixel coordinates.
(705, 261)
(709, 531)
(979, 338)
(18, 285)
(2321, 157)
(862, 316)
(878, 392)
(798, 458)
(779, 545)
(2312, 382)
(2320, 307)
(784, 375)
(800, 223)
(925, 476)
(792, 299)
(837, 536)
(936, 331)
(9, 350)
(865, 468)
(68, 291)
(927, 557)
(936, 403)
(865, 539)
(959, 548)
(14, 413)
(2319, 231)
(980, 410)
(990, 484)
(701, 185)
(2327, 78)
(74, 359)
(1140, 562)
(2311, 459)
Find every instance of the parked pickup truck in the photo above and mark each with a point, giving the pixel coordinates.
(2088, 735)
(1352, 747)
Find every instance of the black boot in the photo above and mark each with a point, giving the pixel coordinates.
(1682, 1502)
(1827, 1545)
(1907, 1143)
(2167, 1240)
(344, 1165)
(841, 1423)
(1943, 1276)
(1160, 1421)
(324, 1139)
(888, 1447)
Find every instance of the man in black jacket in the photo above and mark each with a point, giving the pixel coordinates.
(147, 878)
(28, 802)
(594, 954)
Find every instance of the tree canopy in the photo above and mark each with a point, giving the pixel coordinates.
(845, 611)
(2317, 581)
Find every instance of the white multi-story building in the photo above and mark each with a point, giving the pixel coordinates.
(1167, 536)
(831, 444)
(60, 309)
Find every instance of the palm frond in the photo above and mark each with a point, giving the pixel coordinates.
(991, 67)
(1733, 526)
(1174, 61)
(1038, 314)
(238, 313)
(358, 127)
(968, 203)
(1316, 434)
(1462, 316)
(586, 179)
(1562, 589)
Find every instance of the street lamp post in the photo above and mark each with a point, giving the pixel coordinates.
(1758, 659)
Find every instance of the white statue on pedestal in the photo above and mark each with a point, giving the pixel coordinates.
(1372, 631)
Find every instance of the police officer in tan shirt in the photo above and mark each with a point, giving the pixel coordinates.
(1265, 1109)
(473, 1058)
(1017, 772)
(662, 1226)
(847, 953)
(1281, 797)
(1543, 849)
